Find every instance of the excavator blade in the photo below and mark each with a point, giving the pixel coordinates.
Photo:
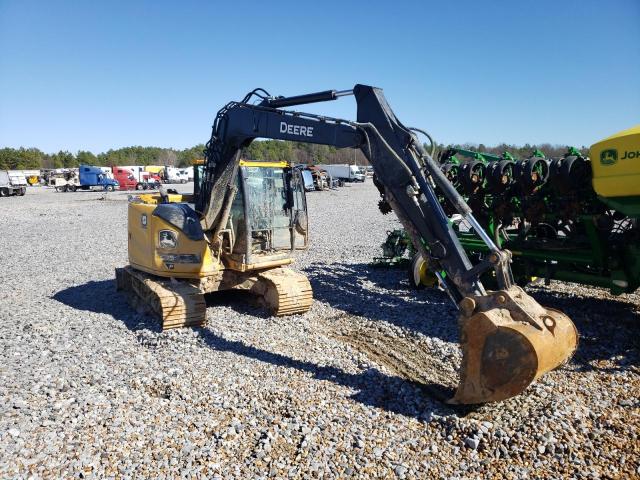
(508, 341)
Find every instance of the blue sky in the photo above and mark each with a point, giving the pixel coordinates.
(100, 75)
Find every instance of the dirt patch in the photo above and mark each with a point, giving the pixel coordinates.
(408, 356)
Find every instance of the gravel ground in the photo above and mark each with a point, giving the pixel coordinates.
(89, 388)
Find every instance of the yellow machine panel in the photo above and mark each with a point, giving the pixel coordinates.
(616, 164)
(154, 168)
(155, 198)
(253, 163)
(172, 253)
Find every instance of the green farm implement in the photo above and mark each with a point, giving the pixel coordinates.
(571, 218)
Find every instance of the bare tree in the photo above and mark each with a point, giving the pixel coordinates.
(167, 157)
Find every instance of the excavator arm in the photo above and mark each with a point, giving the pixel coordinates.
(393, 150)
(508, 339)
(236, 126)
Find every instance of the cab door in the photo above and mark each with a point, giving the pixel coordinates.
(299, 218)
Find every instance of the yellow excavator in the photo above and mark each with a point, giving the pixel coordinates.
(238, 229)
(265, 221)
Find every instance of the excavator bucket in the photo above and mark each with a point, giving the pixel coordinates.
(508, 341)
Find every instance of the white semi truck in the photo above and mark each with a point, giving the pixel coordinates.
(12, 182)
(188, 171)
(175, 175)
(348, 173)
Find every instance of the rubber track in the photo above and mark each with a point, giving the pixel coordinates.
(177, 304)
(286, 292)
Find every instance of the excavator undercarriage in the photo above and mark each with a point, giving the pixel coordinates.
(242, 223)
(181, 303)
(175, 303)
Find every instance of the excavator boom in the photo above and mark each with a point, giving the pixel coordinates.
(508, 339)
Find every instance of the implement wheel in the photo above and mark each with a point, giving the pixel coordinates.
(419, 274)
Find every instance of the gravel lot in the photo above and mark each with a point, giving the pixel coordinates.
(91, 389)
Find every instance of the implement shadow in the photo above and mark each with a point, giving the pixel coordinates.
(373, 387)
(381, 294)
(609, 328)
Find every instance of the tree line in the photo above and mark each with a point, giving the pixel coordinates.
(308, 153)
(33, 158)
(272, 150)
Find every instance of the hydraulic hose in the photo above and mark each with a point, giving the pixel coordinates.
(426, 134)
(441, 181)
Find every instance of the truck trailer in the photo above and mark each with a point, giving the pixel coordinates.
(12, 182)
(348, 173)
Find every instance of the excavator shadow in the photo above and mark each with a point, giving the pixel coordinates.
(609, 327)
(101, 297)
(373, 387)
(383, 294)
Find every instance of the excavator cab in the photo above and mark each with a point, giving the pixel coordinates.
(267, 218)
(268, 214)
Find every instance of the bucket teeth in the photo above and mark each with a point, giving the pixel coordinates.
(508, 341)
